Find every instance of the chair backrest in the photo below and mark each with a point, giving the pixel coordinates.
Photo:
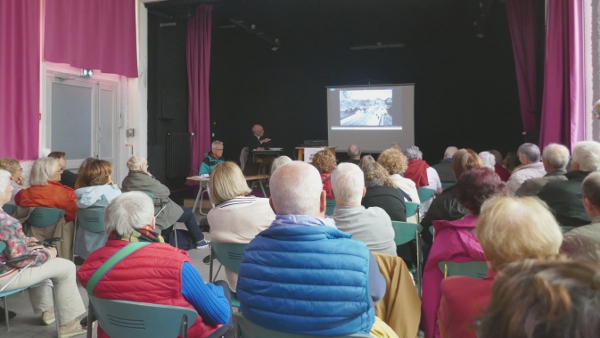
(330, 206)
(566, 229)
(447, 184)
(246, 329)
(120, 318)
(228, 254)
(425, 194)
(9, 208)
(2, 246)
(244, 157)
(412, 208)
(42, 217)
(405, 232)
(91, 219)
(475, 269)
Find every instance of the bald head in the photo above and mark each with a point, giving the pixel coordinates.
(450, 152)
(258, 130)
(354, 152)
(296, 189)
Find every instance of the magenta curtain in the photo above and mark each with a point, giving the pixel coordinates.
(92, 34)
(198, 67)
(521, 23)
(19, 78)
(563, 102)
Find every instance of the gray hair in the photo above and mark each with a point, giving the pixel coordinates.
(413, 153)
(43, 170)
(488, 159)
(128, 212)
(296, 189)
(450, 151)
(4, 180)
(587, 155)
(347, 183)
(278, 162)
(136, 163)
(356, 151)
(530, 151)
(396, 145)
(216, 143)
(557, 155)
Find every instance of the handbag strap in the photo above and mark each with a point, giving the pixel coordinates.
(112, 261)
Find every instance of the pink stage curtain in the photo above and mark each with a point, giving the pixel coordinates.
(198, 67)
(92, 34)
(522, 22)
(563, 102)
(19, 78)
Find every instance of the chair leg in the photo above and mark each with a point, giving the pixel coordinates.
(210, 278)
(90, 320)
(184, 326)
(175, 233)
(6, 314)
(419, 263)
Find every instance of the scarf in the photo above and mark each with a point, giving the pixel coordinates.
(143, 234)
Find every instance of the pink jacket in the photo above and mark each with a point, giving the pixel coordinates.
(454, 241)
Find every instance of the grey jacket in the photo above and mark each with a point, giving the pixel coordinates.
(533, 185)
(148, 184)
(583, 243)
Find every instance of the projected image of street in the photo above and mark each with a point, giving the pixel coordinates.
(367, 108)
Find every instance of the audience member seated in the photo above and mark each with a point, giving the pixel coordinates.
(46, 191)
(446, 206)
(564, 197)
(365, 160)
(354, 154)
(278, 162)
(45, 266)
(555, 159)
(281, 283)
(17, 180)
(499, 166)
(167, 211)
(325, 163)
(97, 191)
(443, 168)
(237, 216)
(396, 145)
(583, 243)
(382, 192)
(509, 229)
(156, 273)
(67, 177)
(488, 160)
(420, 172)
(455, 240)
(214, 157)
(544, 299)
(511, 162)
(531, 167)
(372, 225)
(396, 163)
(82, 169)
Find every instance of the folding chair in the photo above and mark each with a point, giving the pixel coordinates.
(246, 329)
(331, 204)
(42, 217)
(425, 194)
(474, 269)
(413, 208)
(406, 232)
(127, 319)
(5, 294)
(447, 185)
(9, 208)
(90, 219)
(230, 256)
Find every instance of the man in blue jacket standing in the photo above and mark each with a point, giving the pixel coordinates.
(302, 275)
(214, 157)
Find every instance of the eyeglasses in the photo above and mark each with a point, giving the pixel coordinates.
(217, 149)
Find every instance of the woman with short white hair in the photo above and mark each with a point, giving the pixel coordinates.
(44, 265)
(278, 162)
(167, 211)
(420, 172)
(17, 180)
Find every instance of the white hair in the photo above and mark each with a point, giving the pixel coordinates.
(215, 143)
(587, 155)
(42, 171)
(129, 211)
(136, 163)
(557, 155)
(530, 151)
(278, 162)
(450, 151)
(488, 159)
(296, 189)
(347, 183)
(4, 180)
(413, 153)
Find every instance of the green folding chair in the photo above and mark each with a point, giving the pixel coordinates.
(404, 233)
(566, 229)
(246, 329)
(447, 185)
(425, 194)
(412, 208)
(230, 256)
(9, 208)
(127, 319)
(330, 206)
(90, 219)
(474, 269)
(42, 217)
(432, 232)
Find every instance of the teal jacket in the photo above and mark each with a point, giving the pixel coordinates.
(209, 164)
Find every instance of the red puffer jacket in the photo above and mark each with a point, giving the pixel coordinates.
(151, 274)
(53, 195)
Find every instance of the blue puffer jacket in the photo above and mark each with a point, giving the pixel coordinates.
(306, 280)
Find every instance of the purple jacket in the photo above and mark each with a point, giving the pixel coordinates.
(454, 241)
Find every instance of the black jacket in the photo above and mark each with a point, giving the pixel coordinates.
(444, 207)
(387, 198)
(565, 200)
(445, 171)
(68, 178)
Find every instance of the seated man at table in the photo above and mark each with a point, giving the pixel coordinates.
(256, 142)
(214, 157)
(282, 285)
